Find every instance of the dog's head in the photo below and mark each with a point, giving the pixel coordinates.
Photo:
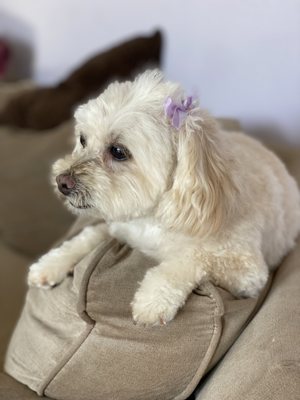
(130, 161)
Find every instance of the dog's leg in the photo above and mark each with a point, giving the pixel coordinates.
(164, 290)
(54, 266)
(243, 273)
(166, 287)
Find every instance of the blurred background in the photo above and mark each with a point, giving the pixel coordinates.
(241, 57)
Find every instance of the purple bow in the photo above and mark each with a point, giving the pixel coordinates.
(177, 112)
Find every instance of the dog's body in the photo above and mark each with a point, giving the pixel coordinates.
(206, 204)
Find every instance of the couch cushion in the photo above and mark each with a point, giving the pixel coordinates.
(83, 328)
(31, 217)
(13, 268)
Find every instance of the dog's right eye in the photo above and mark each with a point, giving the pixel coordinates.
(82, 140)
(119, 153)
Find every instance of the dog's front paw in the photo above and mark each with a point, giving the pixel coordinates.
(45, 274)
(156, 302)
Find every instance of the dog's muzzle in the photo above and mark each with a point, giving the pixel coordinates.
(65, 184)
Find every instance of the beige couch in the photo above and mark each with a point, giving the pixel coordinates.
(263, 362)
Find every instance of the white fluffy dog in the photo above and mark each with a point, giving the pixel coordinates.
(206, 204)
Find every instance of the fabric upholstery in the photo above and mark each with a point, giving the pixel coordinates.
(83, 327)
(10, 389)
(13, 268)
(32, 218)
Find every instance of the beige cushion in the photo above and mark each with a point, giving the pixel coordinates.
(83, 328)
(32, 218)
(13, 268)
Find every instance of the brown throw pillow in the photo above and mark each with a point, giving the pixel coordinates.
(44, 108)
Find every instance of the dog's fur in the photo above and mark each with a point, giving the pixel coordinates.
(206, 204)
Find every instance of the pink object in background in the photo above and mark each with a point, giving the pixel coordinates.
(4, 57)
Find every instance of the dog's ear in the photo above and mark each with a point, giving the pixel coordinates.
(202, 194)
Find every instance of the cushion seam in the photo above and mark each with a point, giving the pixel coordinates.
(82, 295)
(214, 341)
(90, 323)
(72, 351)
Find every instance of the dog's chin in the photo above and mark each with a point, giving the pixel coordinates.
(77, 208)
(74, 205)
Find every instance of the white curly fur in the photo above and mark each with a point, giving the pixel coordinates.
(206, 204)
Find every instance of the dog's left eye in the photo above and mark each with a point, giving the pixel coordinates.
(119, 153)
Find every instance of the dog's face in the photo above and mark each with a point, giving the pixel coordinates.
(124, 152)
(129, 161)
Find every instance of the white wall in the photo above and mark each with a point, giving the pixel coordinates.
(241, 56)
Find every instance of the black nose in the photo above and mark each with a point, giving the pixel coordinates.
(65, 183)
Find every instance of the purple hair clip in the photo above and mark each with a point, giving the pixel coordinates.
(177, 112)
